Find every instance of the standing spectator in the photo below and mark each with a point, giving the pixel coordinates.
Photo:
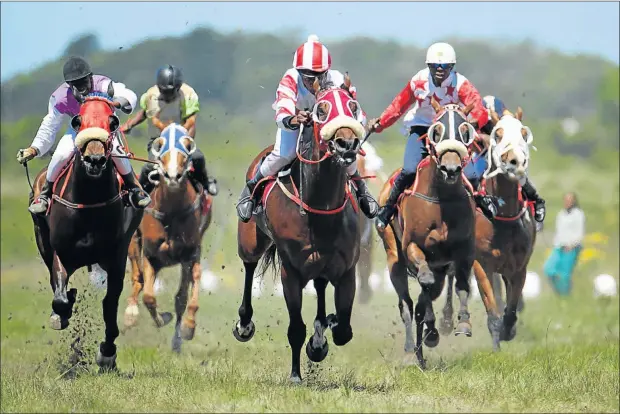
(567, 242)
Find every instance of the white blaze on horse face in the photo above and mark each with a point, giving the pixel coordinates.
(512, 144)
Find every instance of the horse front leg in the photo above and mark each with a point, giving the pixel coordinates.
(488, 298)
(462, 272)
(514, 287)
(446, 325)
(317, 347)
(496, 282)
(62, 304)
(364, 267)
(137, 279)
(291, 285)
(188, 326)
(106, 357)
(148, 296)
(417, 265)
(344, 295)
(180, 303)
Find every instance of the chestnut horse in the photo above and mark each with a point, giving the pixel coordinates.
(170, 233)
(310, 219)
(87, 222)
(514, 227)
(435, 227)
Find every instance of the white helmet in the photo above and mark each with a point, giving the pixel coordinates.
(440, 53)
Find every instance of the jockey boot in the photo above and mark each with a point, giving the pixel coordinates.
(199, 174)
(138, 198)
(531, 194)
(387, 211)
(147, 185)
(368, 204)
(41, 203)
(245, 206)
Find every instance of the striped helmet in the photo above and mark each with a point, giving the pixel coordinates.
(312, 56)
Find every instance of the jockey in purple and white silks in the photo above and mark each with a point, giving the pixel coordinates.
(63, 105)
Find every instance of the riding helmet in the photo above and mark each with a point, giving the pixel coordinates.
(76, 68)
(169, 78)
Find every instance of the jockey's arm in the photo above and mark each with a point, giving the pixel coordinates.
(397, 108)
(135, 121)
(125, 96)
(286, 99)
(468, 94)
(46, 135)
(190, 125)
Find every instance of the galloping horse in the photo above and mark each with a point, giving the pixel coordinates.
(364, 265)
(435, 227)
(514, 226)
(87, 222)
(170, 233)
(310, 219)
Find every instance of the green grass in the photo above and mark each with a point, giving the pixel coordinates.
(564, 358)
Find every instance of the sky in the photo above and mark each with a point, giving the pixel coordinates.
(35, 32)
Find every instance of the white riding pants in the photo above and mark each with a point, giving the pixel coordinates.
(64, 151)
(284, 153)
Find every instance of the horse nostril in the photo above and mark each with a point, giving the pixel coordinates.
(179, 176)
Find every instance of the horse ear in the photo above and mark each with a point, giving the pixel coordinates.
(468, 109)
(507, 112)
(347, 81)
(114, 122)
(499, 134)
(189, 144)
(435, 104)
(316, 85)
(519, 113)
(76, 123)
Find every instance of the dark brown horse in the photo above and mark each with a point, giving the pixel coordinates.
(514, 226)
(170, 233)
(310, 219)
(435, 227)
(87, 222)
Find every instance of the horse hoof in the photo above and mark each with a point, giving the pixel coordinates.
(431, 338)
(446, 326)
(244, 334)
(426, 277)
(176, 344)
(163, 319)
(131, 316)
(57, 323)
(295, 379)
(187, 332)
(508, 335)
(316, 354)
(422, 363)
(106, 363)
(463, 328)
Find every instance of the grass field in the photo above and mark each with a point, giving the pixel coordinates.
(564, 358)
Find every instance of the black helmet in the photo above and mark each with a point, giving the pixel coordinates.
(169, 78)
(76, 68)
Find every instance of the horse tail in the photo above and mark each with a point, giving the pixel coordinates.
(270, 259)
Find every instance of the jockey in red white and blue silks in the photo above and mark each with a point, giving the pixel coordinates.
(294, 99)
(440, 81)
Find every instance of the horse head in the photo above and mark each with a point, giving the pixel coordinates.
(336, 117)
(510, 141)
(95, 126)
(449, 139)
(172, 150)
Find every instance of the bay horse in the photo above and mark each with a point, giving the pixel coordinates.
(436, 226)
(310, 220)
(514, 228)
(170, 233)
(87, 221)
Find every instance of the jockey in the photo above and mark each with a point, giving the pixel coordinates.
(65, 104)
(497, 105)
(448, 86)
(171, 100)
(295, 94)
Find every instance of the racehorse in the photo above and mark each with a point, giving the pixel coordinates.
(170, 233)
(87, 222)
(513, 227)
(436, 226)
(310, 219)
(364, 265)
